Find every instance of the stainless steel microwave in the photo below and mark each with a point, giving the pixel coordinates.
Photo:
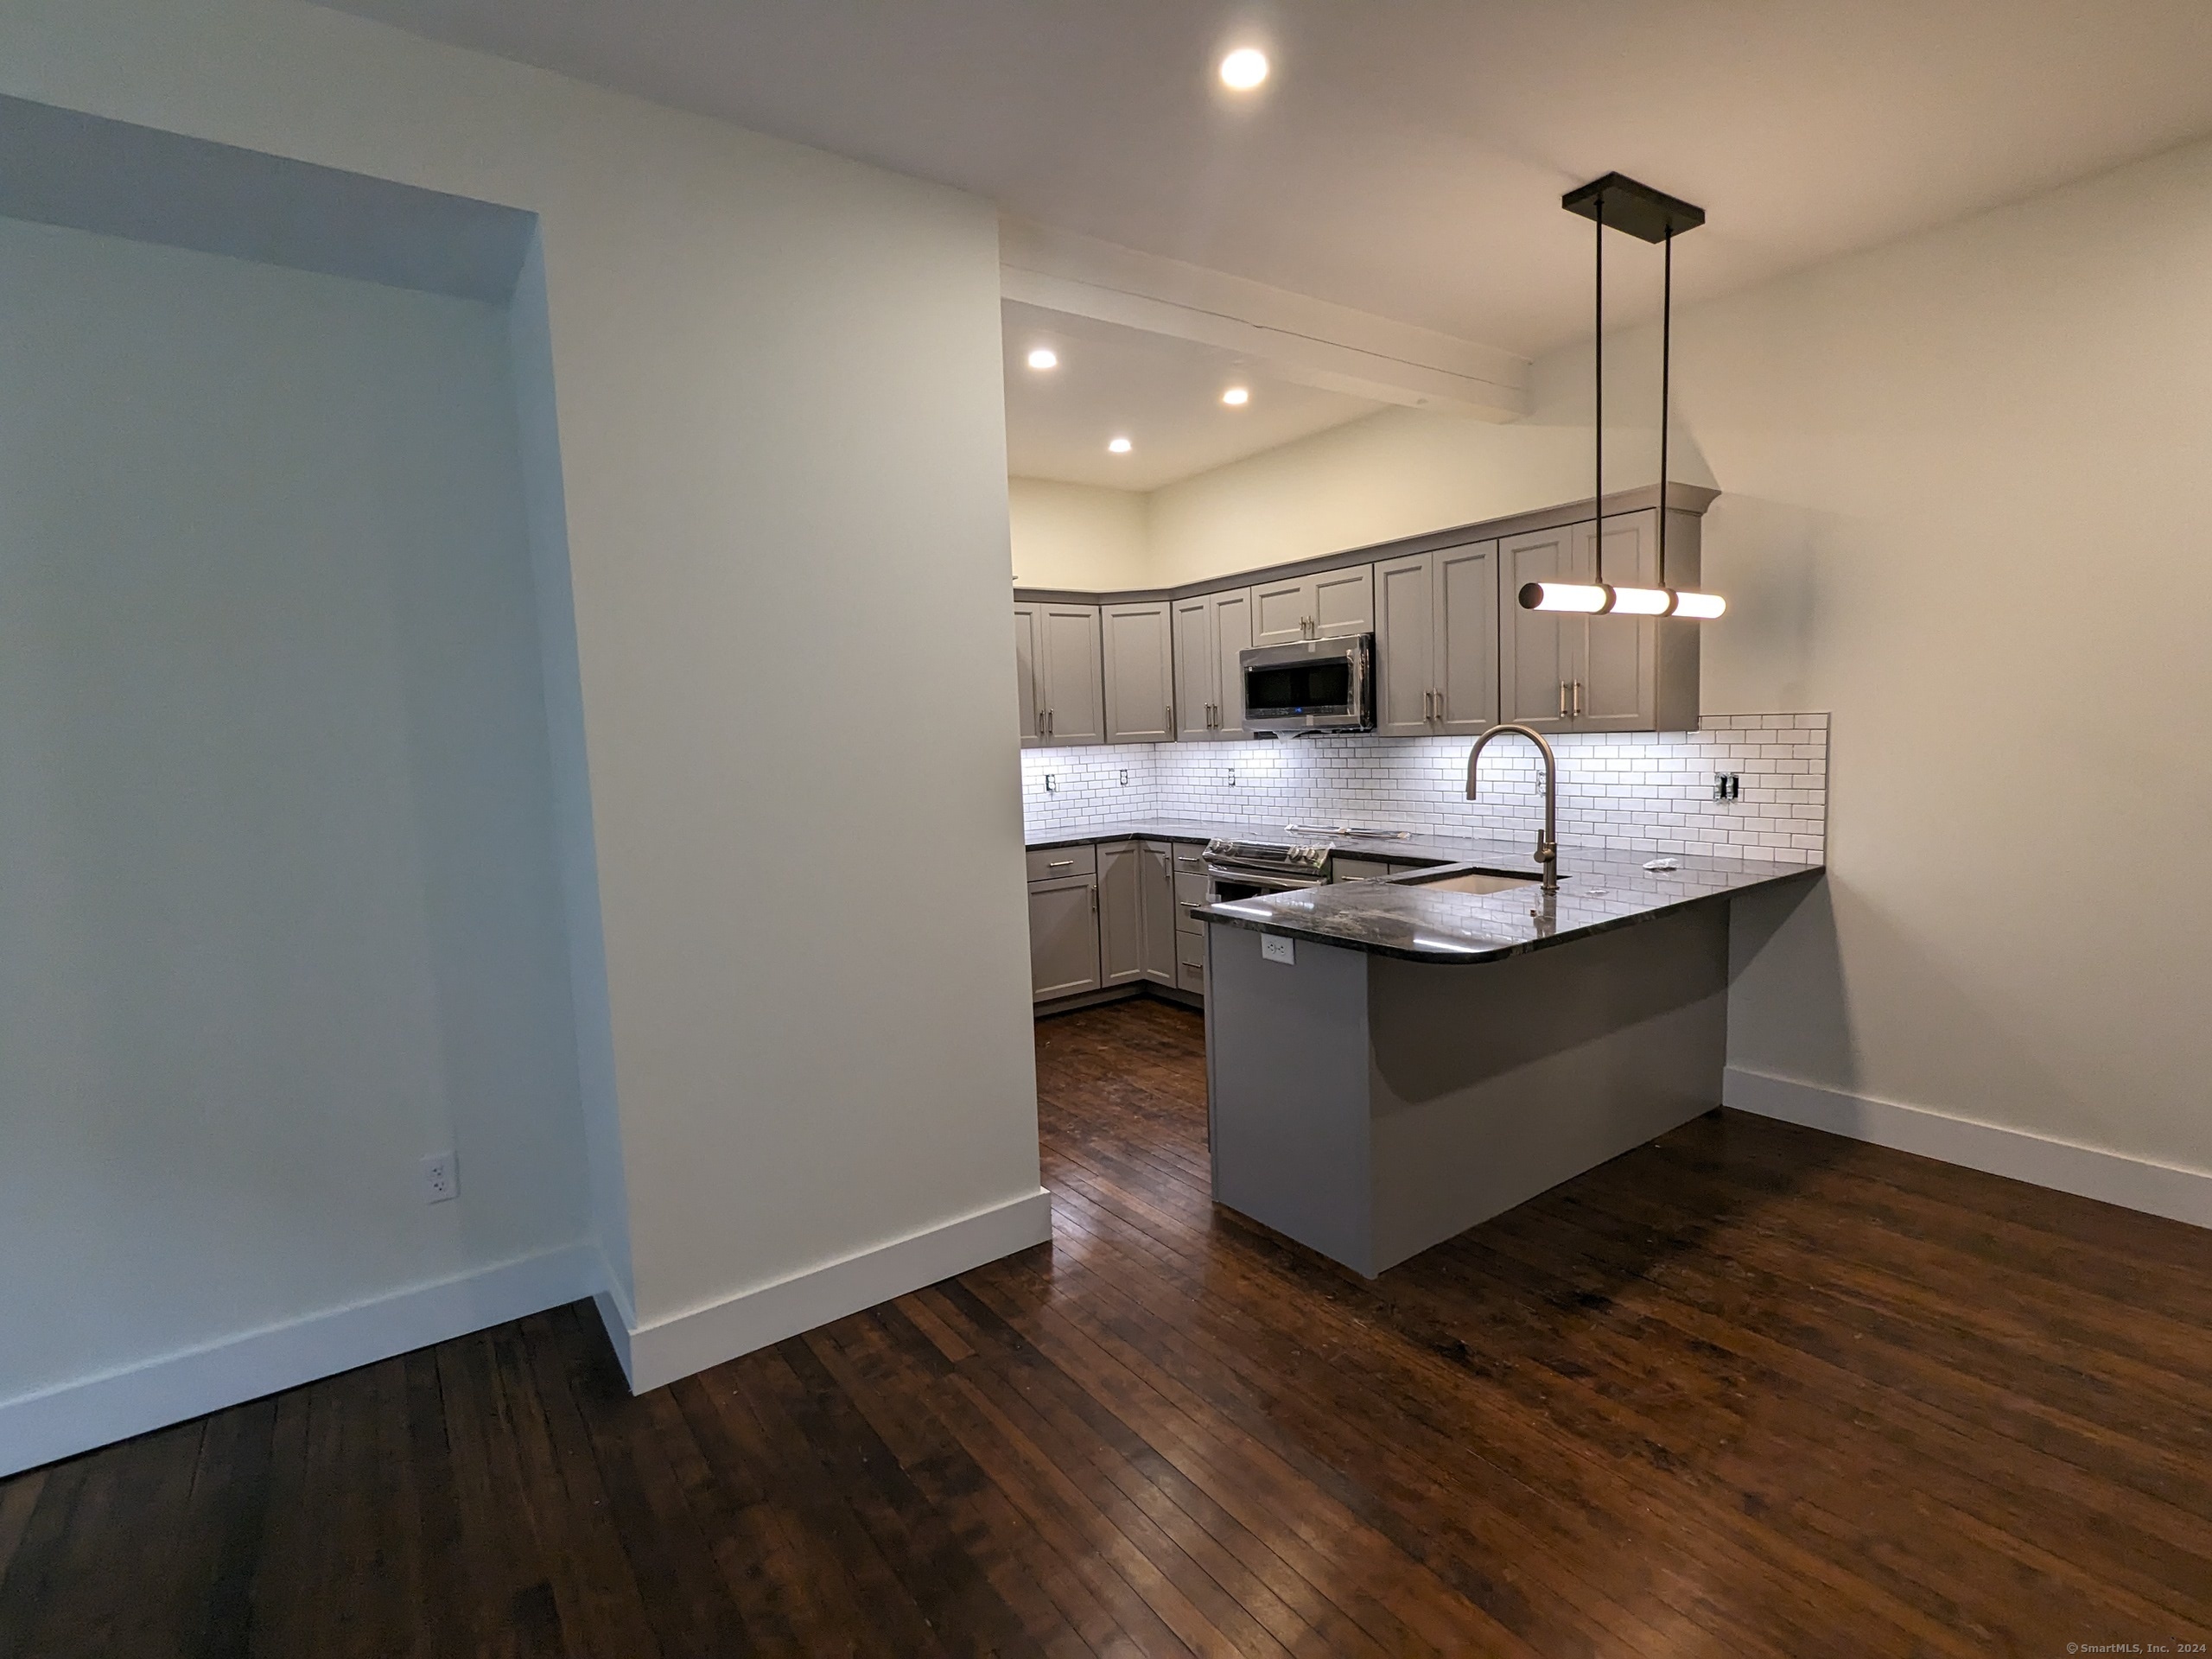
(1310, 685)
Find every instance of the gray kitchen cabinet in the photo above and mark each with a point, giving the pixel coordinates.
(1211, 631)
(1405, 646)
(1559, 671)
(1028, 676)
(1121, 913)
(1466, 637)
(1156, 904)
(1062, 937)
(1540, 652)
(1191, 960)
(1075, 701)
(1436, 642)
(1318, 606)
(1140, 659)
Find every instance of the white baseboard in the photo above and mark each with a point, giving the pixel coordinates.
(684, 1343)
(2089, 1171)
(73, 1417)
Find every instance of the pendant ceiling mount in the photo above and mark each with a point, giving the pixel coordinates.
(1620, 203)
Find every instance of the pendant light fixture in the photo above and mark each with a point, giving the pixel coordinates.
(1641, 212)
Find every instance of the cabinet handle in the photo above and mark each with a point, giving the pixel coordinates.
(1170, 720)
(1562, 699)
(1059, 864)
(1578, 699)
(1094, 898)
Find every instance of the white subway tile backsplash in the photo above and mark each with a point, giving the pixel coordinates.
(1631, 792)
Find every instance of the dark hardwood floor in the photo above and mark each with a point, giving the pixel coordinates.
(1747, 1390)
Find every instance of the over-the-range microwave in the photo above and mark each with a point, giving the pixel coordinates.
(1310, 685)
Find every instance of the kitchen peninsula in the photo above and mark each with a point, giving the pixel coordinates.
(1390, 1062)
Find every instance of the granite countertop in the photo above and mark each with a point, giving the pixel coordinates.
(1598, 889)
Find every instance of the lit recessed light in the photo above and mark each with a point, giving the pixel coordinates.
(1044, 357)
(1236, 396)
(1243, 69)
(1117, 447)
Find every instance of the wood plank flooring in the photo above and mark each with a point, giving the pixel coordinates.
(1749, 1390)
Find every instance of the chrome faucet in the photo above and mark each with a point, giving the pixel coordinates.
(1548, 838)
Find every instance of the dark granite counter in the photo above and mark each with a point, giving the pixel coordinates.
(1598, 891)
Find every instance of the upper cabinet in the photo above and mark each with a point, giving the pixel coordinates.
(1455, 653)
(1562, 673)
(1436, 642)
(1057, 675)
(1314, 608)
(1140, 656)
(1211, 632)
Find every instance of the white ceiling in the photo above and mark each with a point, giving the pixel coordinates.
(1163, 395)
(1407, 158)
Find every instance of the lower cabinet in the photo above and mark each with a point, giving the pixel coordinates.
(1062, 937)
(1121, 913)
(1109, 915)
(1158, 903)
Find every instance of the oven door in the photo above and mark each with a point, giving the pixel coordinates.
(1226, 886)
(1312, 685)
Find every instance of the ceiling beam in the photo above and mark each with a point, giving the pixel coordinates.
(1308, 341)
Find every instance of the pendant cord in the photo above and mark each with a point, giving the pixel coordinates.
(1597, 483)
(1666, 365)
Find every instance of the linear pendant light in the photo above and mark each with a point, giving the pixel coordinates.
(1641, 212)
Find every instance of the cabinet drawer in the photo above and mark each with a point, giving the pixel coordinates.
(1191, 961)
(1190, 889)
(1047, 864)
(1190, 855)
(1357, 870)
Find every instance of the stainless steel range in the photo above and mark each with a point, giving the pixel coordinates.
(1246, 869)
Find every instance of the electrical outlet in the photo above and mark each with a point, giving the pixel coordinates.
(1728, 786)
(439, 1181)
(1051, 780)
(1275, 948)
(1125, 776)
(1229, 776)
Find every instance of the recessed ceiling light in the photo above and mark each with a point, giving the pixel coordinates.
(1236, 396)
(1118, 447)
(1243, 69)
(1044, 357)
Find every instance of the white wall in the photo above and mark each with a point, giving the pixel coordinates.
(816, 1049)
(278, 914)
(1078, 535)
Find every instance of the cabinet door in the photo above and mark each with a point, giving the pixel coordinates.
(1197, 666)
(1281, 611)
(1139, 673)
(1075, 703)
(1405, 646)
(1466, 637)
(1619, 678)
(1121, 913)
(1540, 652)
(1029, 682)
(1343, 601)
(1062, 937)
(1156, 874)
(1232, 633)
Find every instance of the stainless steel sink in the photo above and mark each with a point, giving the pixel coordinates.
(1468, 881)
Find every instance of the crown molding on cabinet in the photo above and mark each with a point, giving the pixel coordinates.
(1692, 499)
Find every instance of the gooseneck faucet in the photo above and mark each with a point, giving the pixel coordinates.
(1548, 838)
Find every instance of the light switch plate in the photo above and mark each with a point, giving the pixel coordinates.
(1275, 948)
